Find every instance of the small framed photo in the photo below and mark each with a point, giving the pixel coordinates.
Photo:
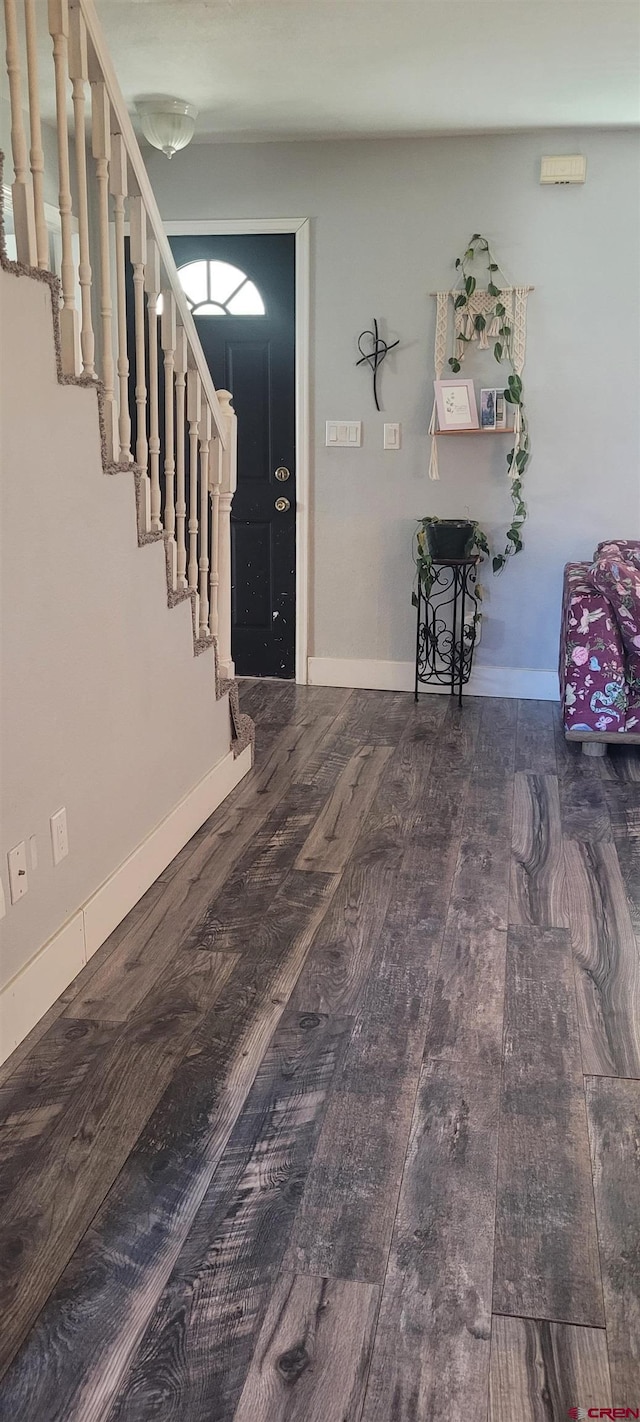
(456, 402)
(501, 410)
(488, 409)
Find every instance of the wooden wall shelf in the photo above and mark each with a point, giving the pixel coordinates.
(438, 433)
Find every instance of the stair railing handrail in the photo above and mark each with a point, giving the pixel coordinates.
(136, 162)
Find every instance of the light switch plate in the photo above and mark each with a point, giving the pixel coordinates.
(18, 880)
(344, 434)
(391, 436)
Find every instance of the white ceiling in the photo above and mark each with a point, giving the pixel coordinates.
(259, 69)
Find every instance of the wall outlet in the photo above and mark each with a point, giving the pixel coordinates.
(18, 880)
(59, 837)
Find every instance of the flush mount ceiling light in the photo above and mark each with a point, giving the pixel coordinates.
(168, 124)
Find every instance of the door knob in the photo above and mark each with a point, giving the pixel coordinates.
(282, 505)
(282, 473)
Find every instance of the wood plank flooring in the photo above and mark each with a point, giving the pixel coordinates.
(343, 1122)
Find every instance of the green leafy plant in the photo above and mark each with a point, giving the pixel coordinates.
(517, 458)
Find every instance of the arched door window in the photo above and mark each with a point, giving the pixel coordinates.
(219, 289)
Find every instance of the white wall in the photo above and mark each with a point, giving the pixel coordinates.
(389, 217)
(105, 710)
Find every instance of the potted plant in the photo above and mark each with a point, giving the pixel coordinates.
(446, 539)
(449, 538)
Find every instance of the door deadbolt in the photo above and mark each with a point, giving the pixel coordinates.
(282, 474)
(282, 505)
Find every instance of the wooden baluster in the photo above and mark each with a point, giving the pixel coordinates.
(101, 149)
(21, 190)
(229, 480)
(118, 190)
(152, 288)
(168, 337)
(215, 475)
(59, 31)
(36, 151)
(78, 72)
(181, 503)
(138, 250)
(203, 560)
(194, 395)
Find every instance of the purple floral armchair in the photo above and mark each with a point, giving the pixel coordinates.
(600, 645)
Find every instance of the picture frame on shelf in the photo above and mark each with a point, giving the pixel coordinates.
(456, 405)
(501, 410)
(488, 409)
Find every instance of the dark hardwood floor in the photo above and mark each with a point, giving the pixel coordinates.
(342, 1124)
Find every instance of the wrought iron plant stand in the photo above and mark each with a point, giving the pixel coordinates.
(446, 625)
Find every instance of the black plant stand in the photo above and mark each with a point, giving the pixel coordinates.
(443, 653)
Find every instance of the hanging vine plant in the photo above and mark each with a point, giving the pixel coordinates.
(483, 315)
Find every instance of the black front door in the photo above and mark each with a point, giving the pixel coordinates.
(242, 293)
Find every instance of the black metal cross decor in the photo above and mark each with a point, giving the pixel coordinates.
(374, 357)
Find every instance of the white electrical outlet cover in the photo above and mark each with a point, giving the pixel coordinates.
(18, 880)
(59, 838)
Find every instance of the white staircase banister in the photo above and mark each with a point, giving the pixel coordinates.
(137, 167)
(159, 409)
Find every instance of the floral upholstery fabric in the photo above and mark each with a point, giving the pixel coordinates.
(599, 656)
(627, 551)
(620, 583)
(593, 683)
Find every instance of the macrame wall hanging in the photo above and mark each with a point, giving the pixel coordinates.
(495, 315)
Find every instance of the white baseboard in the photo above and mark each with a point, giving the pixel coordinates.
(35, 988)
(30, 994)
(512, 682)
(113, 901)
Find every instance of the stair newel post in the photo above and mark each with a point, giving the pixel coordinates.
(138, 250)
(36, 151)
(101, 149)
(21, 190)
(194, 401)
(215, 475)
(118, 189)
(152, 288)
(168, 338)
(227, 490)
(181, 502)
(59, 31)
(78, 72)
(203, 560)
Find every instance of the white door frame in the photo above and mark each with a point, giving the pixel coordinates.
(230, 227)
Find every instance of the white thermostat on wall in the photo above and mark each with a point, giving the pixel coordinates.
(571, 168)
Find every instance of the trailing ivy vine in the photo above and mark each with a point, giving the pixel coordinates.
(517, 458)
